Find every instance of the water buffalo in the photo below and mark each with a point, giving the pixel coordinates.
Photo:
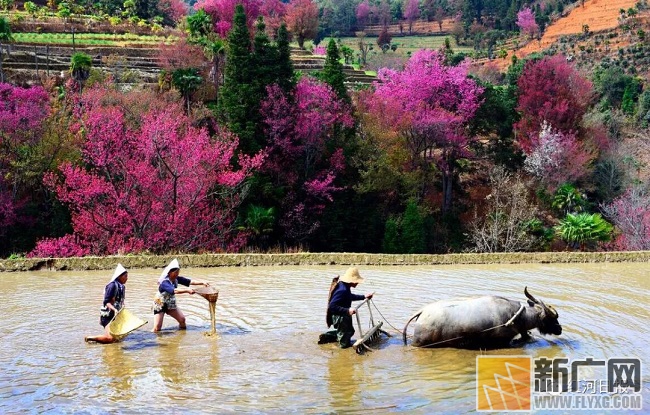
(485, 322)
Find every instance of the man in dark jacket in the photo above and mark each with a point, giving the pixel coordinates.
(340, 311)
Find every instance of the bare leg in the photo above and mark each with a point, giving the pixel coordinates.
(178, 315)
(105, 338)
(158, 322)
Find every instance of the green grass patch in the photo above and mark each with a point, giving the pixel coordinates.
(405, 44)
(94, 39)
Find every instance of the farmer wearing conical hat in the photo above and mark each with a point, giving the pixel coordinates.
(340, 311)
(114, 295)
(165, 300)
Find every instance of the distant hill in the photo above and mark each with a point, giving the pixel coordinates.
(599, 15)
(611, 37)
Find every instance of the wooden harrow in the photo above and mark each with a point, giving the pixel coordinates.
(370, 336)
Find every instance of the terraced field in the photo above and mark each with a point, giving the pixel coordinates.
(597, 14)
(93, 39)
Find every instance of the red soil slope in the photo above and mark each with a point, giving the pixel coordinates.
(597, 14)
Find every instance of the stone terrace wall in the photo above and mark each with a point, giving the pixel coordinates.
(237, 260)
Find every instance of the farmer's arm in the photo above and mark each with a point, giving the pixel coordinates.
(186, 282)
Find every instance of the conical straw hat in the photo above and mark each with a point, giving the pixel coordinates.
(172, 265)
(352, 276)
(119, 270)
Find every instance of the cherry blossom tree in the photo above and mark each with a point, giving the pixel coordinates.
(180, 55)
(551, 90)
(149, 180)
(412, 12)
(223, 12)
(428, 105)
(22, 113)
(631, 214)
(302, 20)
(526, 22)
(558, 158)
(363, 13)
(174, 9)
(273, 12)
(304, 156)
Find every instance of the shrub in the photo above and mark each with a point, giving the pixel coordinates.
(413, 233)
(510, 222)
(567, 199)
(390, 244)
(584, 229)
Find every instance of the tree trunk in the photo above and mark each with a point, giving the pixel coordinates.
(301, 41)
(216, 75)
(2, 74)
(447, 181)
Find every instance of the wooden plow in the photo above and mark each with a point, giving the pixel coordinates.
(372, 335)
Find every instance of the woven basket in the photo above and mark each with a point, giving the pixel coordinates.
(124, 323)
(209, 293)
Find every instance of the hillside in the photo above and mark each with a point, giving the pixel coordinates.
(599, 15)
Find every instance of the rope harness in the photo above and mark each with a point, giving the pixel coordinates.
(506, 324)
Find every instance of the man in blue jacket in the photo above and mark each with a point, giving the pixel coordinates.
(340, 311)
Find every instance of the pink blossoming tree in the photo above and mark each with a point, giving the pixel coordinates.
(411, 12)
(223, 12)
(175, 9)
(363, 14)
(149, 181)
(526, 22)
(428, 105)
(558, 158)
(551, 90)
(630, 213)
(22, 112)
(304, 156)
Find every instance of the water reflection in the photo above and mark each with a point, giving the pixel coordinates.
(345, 377)
(120, 367)
(173, 366)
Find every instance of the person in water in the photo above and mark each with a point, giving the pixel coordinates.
(340, 311)
(165, 300)
(114, 296)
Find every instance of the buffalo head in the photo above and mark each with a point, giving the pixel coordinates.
(548, 323)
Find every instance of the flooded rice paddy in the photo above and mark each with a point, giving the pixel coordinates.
(264, 358)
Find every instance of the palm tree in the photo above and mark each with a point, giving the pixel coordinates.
(259, 221)
(581, 229)
(567, 199)
(6, 37)
(186, 81)
(200, 28)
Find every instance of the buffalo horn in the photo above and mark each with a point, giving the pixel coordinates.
(547, 310)
(529, 296)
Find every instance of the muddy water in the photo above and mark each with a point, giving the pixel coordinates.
(264, 358)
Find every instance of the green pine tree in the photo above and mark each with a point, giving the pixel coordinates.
(265, 58)
(332, 72)
(631, 94)
(390, 244)
(284, 67)
(239, 104)
(413, 234)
